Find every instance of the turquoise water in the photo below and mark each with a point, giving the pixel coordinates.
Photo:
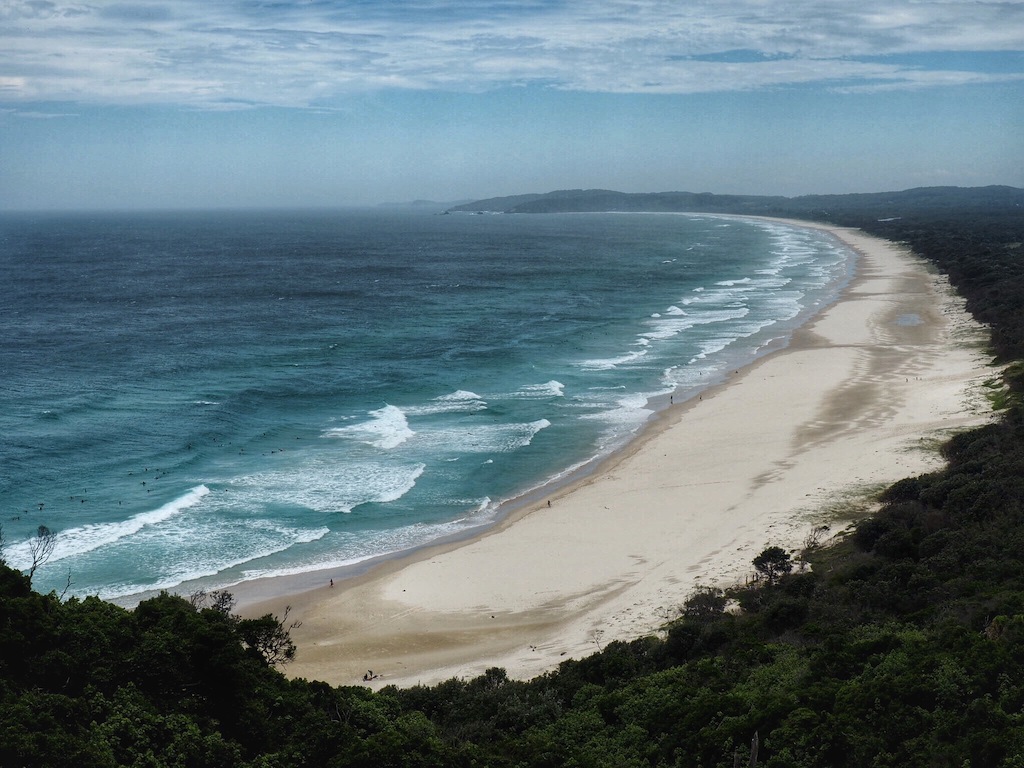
(198, 399)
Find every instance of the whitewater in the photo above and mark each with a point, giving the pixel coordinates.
(191, 400)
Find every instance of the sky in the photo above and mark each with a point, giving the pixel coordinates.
(314, 103)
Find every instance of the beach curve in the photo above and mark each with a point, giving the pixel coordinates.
(854, 402)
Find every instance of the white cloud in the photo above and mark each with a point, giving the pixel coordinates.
(306, 53)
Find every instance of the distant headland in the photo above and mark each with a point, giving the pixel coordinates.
(877, 204)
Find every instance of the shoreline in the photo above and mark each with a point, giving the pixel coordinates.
(251, 592)
(849, 405)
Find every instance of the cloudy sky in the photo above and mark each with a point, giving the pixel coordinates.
(237, 103)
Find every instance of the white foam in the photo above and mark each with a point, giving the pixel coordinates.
(525, 437)
(710, 347)
(624, 418)
(689, 375)
(481, 437)
(384, 542)
(400, 488)
(666, 328)
(87, 538)
(204, 563)
(326, 487)
(606, 364)
(387, 429)
(548, 389)
(478, 508)
(458, 395)
(460, 401)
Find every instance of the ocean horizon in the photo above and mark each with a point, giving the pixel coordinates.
(192, 400)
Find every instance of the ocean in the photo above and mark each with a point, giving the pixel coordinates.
(190, 400)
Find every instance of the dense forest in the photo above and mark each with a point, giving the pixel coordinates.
(902, 644)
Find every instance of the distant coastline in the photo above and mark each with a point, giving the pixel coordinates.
(814, 207)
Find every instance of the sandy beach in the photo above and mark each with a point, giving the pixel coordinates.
(858, 399)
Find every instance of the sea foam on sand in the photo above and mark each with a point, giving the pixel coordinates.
(851, 405)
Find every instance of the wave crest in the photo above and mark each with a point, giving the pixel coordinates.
(387, 429)
(87, 538)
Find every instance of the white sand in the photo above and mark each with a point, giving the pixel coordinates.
(855, 402)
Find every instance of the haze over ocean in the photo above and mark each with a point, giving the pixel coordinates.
(195, 399)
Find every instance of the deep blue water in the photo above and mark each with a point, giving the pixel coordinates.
(220, 396)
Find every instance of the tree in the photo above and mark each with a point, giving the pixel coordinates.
(218, 600)
(269, 637)
(41, 547)
(772, 563)
(704, 604)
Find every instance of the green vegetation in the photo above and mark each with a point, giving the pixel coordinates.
(903, 645)
(932, 202)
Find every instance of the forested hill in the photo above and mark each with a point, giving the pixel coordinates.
(959, 200)
(902, 644)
